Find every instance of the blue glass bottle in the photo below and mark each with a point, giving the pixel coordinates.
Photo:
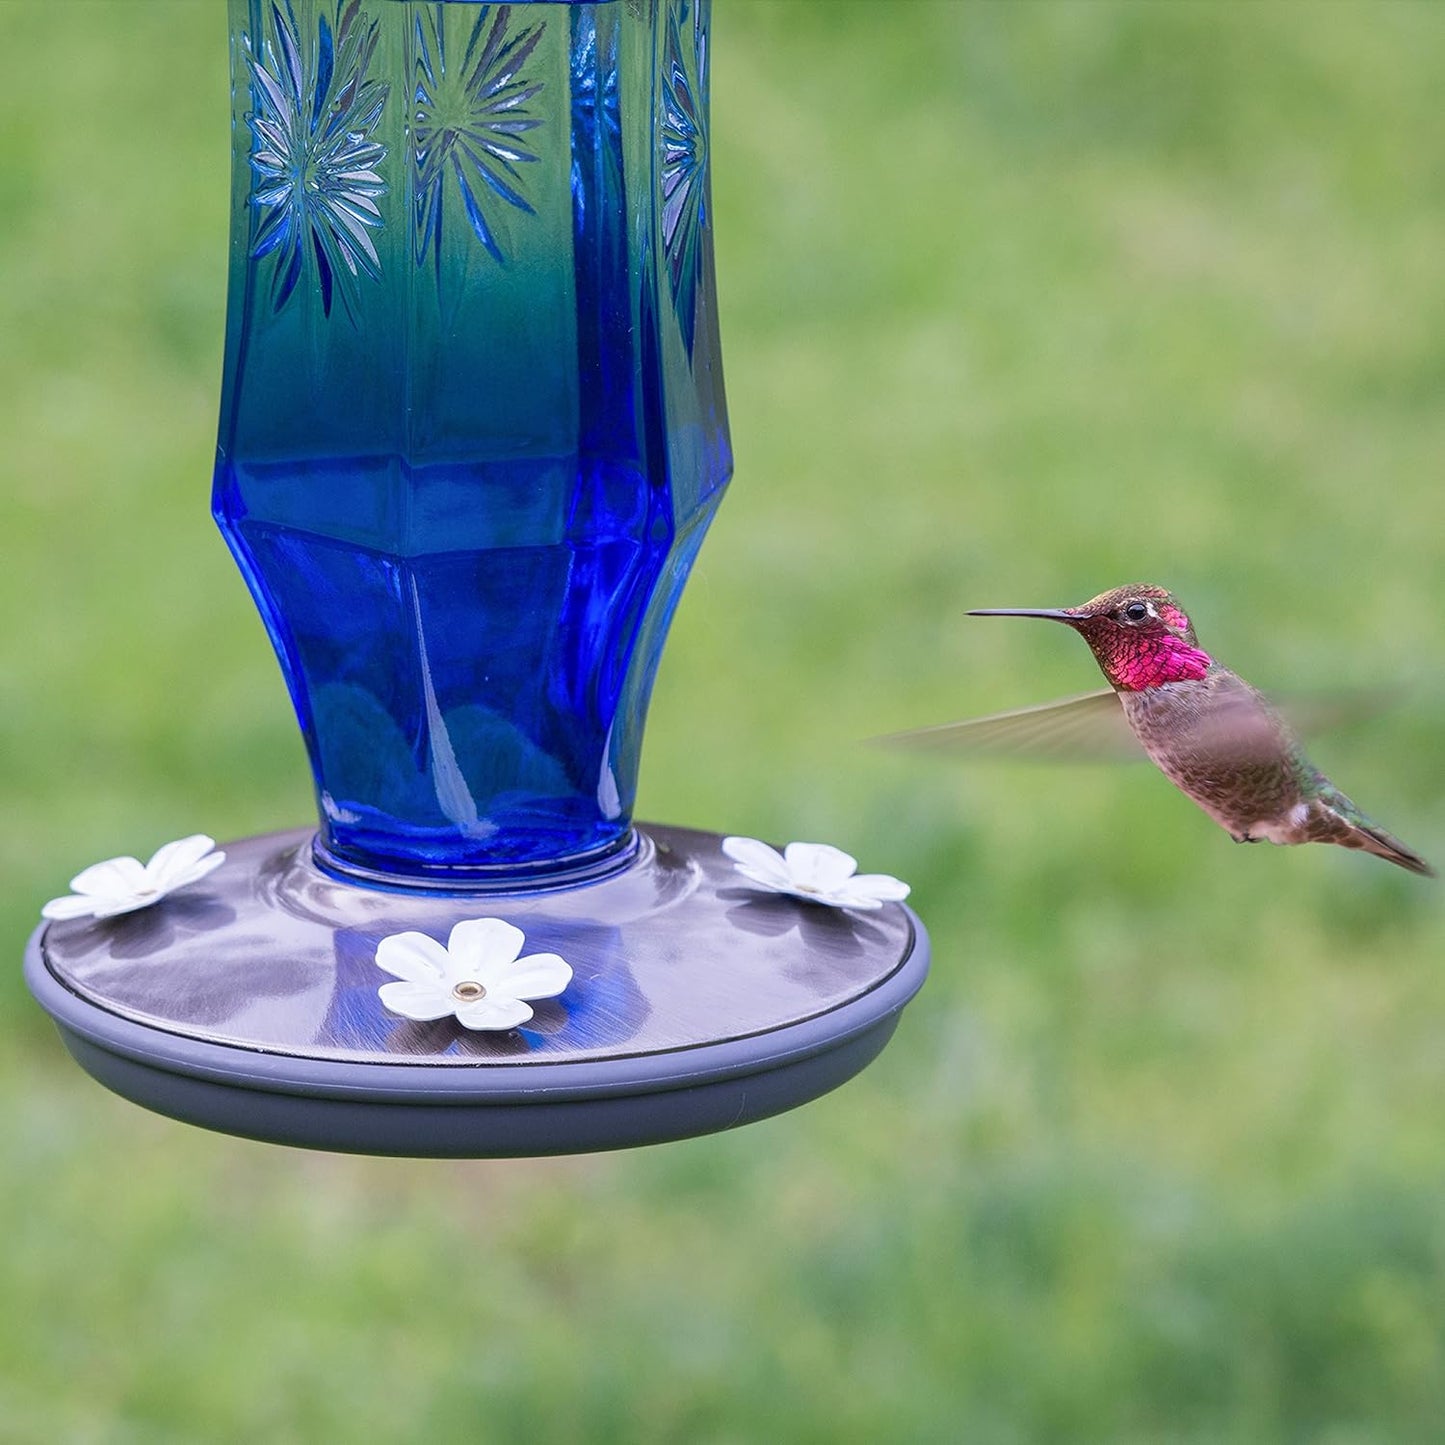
(472, 424)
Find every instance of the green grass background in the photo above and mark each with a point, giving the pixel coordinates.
(1019, 301)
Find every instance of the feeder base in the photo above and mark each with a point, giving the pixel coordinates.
(248, 1003)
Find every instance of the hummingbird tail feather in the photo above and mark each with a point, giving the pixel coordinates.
(1335, 819)
(1382, 845)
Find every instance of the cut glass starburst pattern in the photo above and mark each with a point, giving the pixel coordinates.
(471, 115)
(315, 155)
(683, 138)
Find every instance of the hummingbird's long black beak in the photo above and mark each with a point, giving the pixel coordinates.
(1055, 614)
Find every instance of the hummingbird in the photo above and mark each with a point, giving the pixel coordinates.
(1220, 741)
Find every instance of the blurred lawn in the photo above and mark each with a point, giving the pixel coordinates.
(1019, 302)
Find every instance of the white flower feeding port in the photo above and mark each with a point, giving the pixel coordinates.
(476, 977)
(123, 885)
(814, 872)
(473, 431)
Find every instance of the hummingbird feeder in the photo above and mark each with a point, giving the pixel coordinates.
(472, 434)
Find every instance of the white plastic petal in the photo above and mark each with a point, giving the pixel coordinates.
(71, 907)
(197, 871)
(171, 864)
(493, 1013)
(113, 878)
(114, 907)
(818, 867)
(476, 943)
(414, 957)
(756, 860)
(881, 886)
(416, 1000)
(540, 975)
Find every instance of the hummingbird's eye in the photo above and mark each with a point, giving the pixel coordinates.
(1136, 612)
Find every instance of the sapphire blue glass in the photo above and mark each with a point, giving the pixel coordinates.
(472, 425)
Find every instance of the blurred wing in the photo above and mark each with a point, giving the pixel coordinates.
(1089, 728)
(1092, 728)
(1240, 724)
(1214, 733)
(1318, 712)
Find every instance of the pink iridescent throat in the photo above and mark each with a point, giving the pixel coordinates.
(1138, 663)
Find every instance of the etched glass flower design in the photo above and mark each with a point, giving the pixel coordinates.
(471, 115)
(315, 156)
(123, 885)
(814, 872)
(476, 977)
(684, 159)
